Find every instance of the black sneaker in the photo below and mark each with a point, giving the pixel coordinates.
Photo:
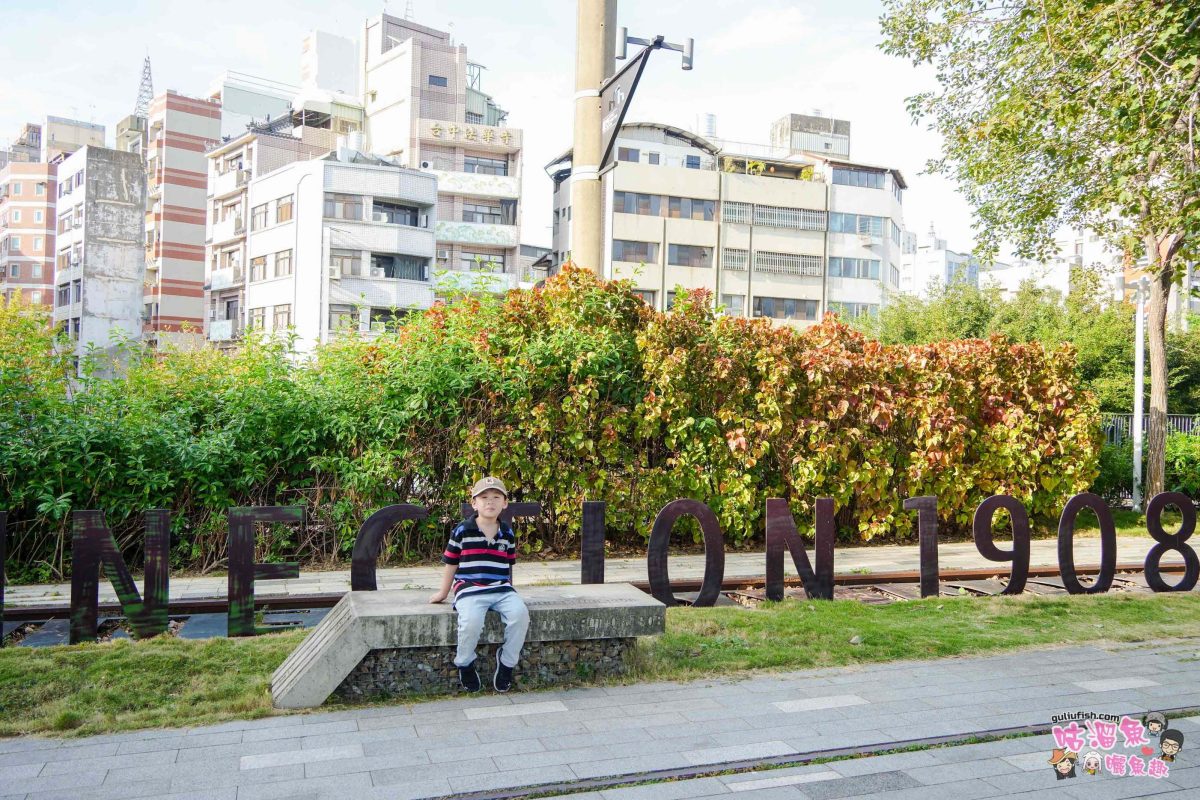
(503, 677)
(468, 676)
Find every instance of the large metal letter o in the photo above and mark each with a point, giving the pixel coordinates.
(714, 551)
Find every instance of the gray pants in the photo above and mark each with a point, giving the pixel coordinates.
(472, 610)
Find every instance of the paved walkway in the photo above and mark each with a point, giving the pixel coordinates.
(1043, 552)
(557, 739)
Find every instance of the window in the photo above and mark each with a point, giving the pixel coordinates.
(37, 215)
(382, 318)
(691, 208)
(258, 268)
(64, 223)
(692, 162)
(896, 234)
(394, 213)
(637, 252)
(687, 255)
(64, 258)
(485, 166)
(385, 265)
(78, 179)
(283, 317)
(62, 295)
(868, 179)
(803, 219)
(857, 223)
(735, 304)
(438, 80)
(788, 264)
(258, 317)
(477, 212)
(346, 262)
(283, 209)
(735, 259)
(35, 296)
(488, 262)
(634, 203)
(854, 310)
(343, 206)
(231, 210)
(342, 318)
(670, 301)
(647, 296)
(16, 187)
(785, 308)
(37, 244)
(35, 270)
(16, 215)
(867, 268)
(653, 158)
(14, 244)
(893, 275)
(14, 270)
(258, 217)
(283, 263)
(76, 290)
(474, 118)
(39, 189)
(628, 154)
(75, 329)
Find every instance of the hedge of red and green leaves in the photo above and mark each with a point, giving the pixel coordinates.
(571, 392)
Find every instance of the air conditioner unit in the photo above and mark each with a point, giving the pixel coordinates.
(378, 327)
(443, 255)
(335, 273)
(378, 216)
(426, 165)
(423, 222)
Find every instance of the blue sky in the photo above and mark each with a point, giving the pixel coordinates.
(756, 60)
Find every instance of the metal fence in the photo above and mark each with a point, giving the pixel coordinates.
(1119, 427)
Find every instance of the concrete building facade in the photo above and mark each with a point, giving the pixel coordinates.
(28, 197)
(928, 265)
(425, 105)
(60, 137)
(335, 243)
(100, 247)
(775, 233)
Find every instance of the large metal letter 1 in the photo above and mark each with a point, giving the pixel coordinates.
(927, 527)
(3, 553)
(243, 572)
(369, 542)
(714, 551)
(981, 527)
(1066, 544)
(781, 533)
(93, 545)
(591, 551)
(1177, 541)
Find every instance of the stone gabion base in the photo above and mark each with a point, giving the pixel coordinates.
(431, 670)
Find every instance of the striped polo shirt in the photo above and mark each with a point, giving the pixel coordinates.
(484, 565)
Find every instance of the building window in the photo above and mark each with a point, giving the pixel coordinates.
(636, 252)
(485, 166)
(35, 270)
(394, 213)
(283, 209)
(474, 118)
(653, 158)
(788, 264)
(16, 187)
(438, 80)
(342, 318)
(258, 318)
(64, 258)
(785, 308)
(894, 275)
(75, 329)
(346, 262)
(283, 263)
(854, 310)
(867, 268)
(258, 217)
(628, 154)
(857, 223)
(39, 188)
(486, 262)
(385, 265)
(670, 302)
(867, 179)
(647, 296)
(282, 318)
(64, 223)
(477, 212)
(258, 268)
(735, 304)
(691, 208)
(37, 244)
(386, 318)
(62, 296)
(35, 296)
(16, 215)
(37, 215)
(14, 270)
(687, 255)
(76, 291)
(343, 206)
(635, 203)
(692, 162)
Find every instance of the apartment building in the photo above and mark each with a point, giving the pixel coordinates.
(774, 232)
(60, 137)
(928, 265)
(425, 105)
(27, 228)
(248, 99)
(99, 248)
(26, 147)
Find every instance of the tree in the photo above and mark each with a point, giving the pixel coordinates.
(1069, 113)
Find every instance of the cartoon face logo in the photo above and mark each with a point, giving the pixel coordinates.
(1063, 762)
(1171, 743)
(1155, 723)
(1091, 763)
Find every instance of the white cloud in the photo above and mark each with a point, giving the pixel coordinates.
(763, 28)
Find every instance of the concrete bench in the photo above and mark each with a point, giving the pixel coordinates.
(394, 642)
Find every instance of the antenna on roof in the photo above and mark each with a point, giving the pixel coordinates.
(145, 92)
(408, 12)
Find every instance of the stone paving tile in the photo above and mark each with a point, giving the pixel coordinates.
(296, 730)
(1117, 789)
(767, 780)
(630, 764)
(301, 756)
(392, 775)
(869, 784)
(42, 755)
(159, 757)
(178, 770)
(201, 754)
(514, 710)
(737, 752)
(18, 771)
(178, 742)
(593, 739)
(75, 782)
(415, 790)
(155, 788)
(958, 790)
(511, 778)
(673, 790)
(946, 773)
(884, 763)
(342, 766)
(341, 786)
(245, 777)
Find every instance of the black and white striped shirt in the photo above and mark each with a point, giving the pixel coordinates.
(484, 565)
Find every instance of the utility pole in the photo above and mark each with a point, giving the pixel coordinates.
(594, 56)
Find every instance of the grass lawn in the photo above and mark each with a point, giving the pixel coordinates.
(166, 682)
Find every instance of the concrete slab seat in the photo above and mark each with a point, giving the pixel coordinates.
(394, 642)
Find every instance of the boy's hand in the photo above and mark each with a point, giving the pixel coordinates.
(438, 597)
